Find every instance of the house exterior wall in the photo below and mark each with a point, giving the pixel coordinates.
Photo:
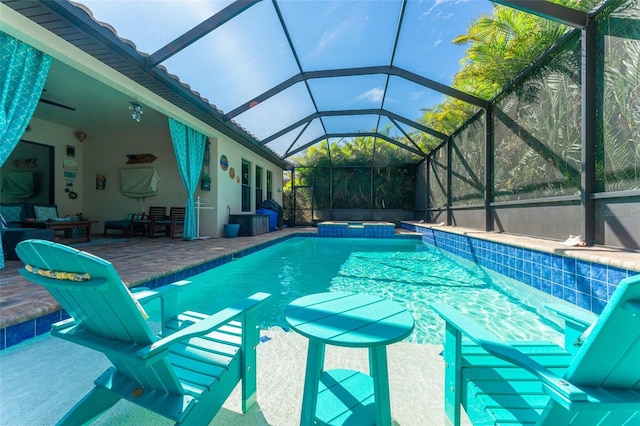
(59, 137)
(229, 190)
(104, 151)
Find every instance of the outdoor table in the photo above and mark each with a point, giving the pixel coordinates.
(356, 321)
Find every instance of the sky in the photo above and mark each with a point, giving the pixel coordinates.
(250, 54)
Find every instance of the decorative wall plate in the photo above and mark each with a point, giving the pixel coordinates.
(232, 173)
(141, 158)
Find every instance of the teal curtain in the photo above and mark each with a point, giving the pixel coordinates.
(188, 145)
(23, 72)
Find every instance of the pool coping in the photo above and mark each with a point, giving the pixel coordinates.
(610, 256)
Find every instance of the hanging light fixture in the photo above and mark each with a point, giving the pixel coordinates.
(136, 111)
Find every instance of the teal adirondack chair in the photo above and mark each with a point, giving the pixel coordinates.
(594, 380)
(184, 374)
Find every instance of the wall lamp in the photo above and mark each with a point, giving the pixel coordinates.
(136, 111)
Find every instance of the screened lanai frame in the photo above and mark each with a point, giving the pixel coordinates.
(296, 92)
(592, 176)
(306, 125)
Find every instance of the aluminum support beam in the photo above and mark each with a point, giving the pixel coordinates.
(589, 131)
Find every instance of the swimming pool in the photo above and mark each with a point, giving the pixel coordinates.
(403, 270)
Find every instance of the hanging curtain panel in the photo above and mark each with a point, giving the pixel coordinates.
(23, 71)
(188, 145)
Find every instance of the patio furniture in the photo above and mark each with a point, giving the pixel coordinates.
(73, 231)
(12, 236)
(184, 374)
(357, 321)
(177, 217)
(158, 222)
(251, 224)
(129, 226)
(595, 379)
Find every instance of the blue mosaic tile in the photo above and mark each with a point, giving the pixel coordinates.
(611, 288)
(599, 289)
(556, 262)
(614, 275)
(570, 295)
(597, 305)
(536, 257)
(583, 268)
(583, 284)
(557, 290)
(536, 270)
(18, 333)
(599, 272)
(548, 272)
(569, 280)
(583, 300)
(569, 264)
(44, 323)
(519, 275)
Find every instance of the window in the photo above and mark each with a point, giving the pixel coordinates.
(246, 186)
(269, 185)
(258, 186)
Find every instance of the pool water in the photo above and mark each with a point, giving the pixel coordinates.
(406, 271)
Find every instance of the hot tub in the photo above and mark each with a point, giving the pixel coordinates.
(356, 229)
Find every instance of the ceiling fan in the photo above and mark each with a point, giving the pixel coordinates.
(48, 102)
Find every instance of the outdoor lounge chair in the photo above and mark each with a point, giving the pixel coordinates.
(185, 374)
(594, 380)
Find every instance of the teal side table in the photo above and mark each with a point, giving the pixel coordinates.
(343, 396)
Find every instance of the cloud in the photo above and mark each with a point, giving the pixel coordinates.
(416, 95)
(330, 38)
(374, 95)
(436, 43)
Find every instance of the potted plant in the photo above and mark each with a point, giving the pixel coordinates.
(205, 182)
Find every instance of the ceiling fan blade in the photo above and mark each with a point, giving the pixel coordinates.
(46, 101)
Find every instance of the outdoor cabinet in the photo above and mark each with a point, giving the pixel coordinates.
(251, 224)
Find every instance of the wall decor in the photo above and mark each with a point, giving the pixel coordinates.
(224, 162)
(141, 158)
(71, 151)
(101, 181)
(69, 164)
(27, 175)
(232, 173)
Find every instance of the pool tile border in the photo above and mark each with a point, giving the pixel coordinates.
(582, 282)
